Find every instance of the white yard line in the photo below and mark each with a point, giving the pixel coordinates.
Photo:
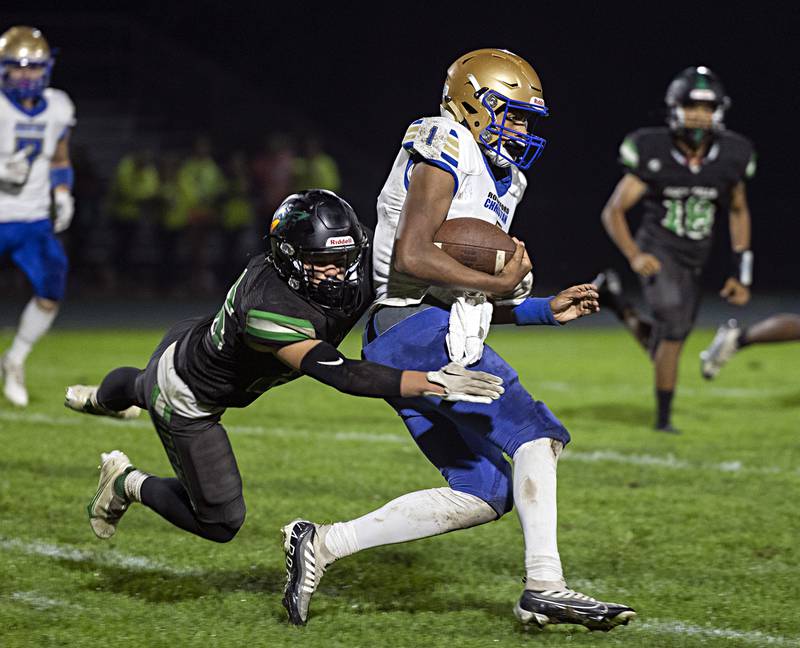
(138, 563)
(669, 461)
(681, 628)
(40, 602)
(111, 558)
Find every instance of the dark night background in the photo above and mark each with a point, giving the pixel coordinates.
(358, 74)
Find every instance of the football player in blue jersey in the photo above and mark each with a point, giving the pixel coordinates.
(35, 179)
(683, 174)
(466, 162)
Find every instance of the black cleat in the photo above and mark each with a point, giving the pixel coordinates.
(567, 606)
(666, 428)
(304, 568)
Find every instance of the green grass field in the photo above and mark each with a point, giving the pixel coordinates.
(698, 532)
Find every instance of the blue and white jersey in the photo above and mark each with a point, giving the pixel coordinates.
(450, 146)
(39, 132)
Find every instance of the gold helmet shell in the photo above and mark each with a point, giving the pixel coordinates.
(24, 46)
(483, 85)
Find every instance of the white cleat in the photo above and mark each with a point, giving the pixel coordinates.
(14, 382)
(83, 398)
(108, 505)
(722, 348)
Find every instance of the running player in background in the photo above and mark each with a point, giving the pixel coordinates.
(35, 179)
(684, 174)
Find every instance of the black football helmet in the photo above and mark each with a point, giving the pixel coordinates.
(318, 228)
(696, 85)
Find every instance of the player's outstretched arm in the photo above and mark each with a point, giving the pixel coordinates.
(569, 304)
(430, 192)
(737, 287)
(324, 363)
(627, 193)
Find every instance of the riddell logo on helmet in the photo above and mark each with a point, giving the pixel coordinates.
(337, 241)
(537, 101)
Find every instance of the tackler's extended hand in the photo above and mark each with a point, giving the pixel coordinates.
(462, 384)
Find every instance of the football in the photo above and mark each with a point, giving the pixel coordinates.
(475, 243)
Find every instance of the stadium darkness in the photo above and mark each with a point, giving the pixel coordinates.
(358, 74)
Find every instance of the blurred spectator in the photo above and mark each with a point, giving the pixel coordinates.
(273, 174)
(203, 185)
(238, 218)
(316, 169)
(174, 219)
(132, 201)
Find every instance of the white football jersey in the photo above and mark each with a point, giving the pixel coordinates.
(40, 133)
(446, 144)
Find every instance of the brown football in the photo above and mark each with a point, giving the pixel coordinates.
(475, 243)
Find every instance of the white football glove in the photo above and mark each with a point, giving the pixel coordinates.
(14, 169)
(65, 208)
(470, 319)
(519, 294)
(461, 384)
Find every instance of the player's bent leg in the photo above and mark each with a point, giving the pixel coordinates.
(168, 498)
(722, 348)
(609, 286)
(311, 548)
(115, 397)
(206, 498)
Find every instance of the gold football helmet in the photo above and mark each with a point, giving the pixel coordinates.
(24, 47)
(480, 90)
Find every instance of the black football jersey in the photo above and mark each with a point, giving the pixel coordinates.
(681, 203)
(227, 359)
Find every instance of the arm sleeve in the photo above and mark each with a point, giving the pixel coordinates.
(357, 377)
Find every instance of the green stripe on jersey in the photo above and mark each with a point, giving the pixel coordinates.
(278, 328)
(628, 153)
(276, 336)
(294, 322)
(750, 171)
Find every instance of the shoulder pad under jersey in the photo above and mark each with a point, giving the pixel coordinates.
(444, 143)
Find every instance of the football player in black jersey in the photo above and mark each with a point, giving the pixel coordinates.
(684, 174)
(282, 318)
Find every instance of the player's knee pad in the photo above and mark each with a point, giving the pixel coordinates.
(232, 517)
(203, 460)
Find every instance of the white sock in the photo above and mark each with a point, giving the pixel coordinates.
(420, 514)
(33, 324)
(133, 484)
(535, 498)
